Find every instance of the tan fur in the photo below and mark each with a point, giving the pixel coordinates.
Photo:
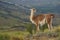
(41, 19)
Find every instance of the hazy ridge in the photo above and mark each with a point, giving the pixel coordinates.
(12, 14)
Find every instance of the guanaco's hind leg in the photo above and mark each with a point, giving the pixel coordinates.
(50, 24)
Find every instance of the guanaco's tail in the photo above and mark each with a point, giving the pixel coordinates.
(52, 15)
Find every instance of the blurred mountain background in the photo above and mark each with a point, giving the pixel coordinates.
(16, 12)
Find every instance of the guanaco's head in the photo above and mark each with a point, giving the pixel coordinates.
(33, 10)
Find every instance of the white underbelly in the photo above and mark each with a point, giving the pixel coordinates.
(39, 22)
(42, 22)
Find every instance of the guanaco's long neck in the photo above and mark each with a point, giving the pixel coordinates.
(32, 14)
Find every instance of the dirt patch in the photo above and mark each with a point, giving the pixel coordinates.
(42, 36)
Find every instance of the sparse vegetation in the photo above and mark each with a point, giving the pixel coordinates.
(13, 35)
(20, 35)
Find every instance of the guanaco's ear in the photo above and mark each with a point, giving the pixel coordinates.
(34, 9)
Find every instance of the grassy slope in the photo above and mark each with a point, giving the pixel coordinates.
(12, 35)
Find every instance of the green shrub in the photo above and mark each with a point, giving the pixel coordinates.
(29, 28)
(4, 37)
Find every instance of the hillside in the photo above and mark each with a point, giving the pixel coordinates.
(13, 14)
